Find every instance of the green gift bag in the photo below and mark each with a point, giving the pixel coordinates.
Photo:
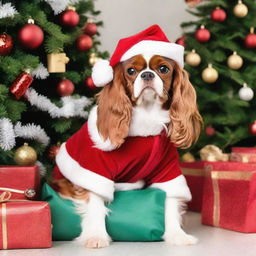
(136, 215)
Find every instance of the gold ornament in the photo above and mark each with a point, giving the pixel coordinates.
(25, 155)
(57, 62)
(212, 153)
(188, 157)
(210, 75)
(235, 61)
(93, 59)
(193, 59)
(240, 10)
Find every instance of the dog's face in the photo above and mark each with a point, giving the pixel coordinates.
(148, 78)
(142, 81)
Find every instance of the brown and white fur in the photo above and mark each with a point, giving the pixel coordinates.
(141, 103)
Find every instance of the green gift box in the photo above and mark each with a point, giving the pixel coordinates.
(135, 215)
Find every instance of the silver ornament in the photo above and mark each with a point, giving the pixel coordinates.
(246, 93)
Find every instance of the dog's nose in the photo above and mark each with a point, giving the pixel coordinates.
(147, 75)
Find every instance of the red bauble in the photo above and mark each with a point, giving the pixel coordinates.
(90, 29)
(20, 85)
(6, 44)
(250, 41)
(69, 18)
(84, 43)
(210, 131)
(252, 128)
(202, 35)
(31, 36)
(89, 83)
(181, 41)
(53, 151)
(65, 87)
(218, 15)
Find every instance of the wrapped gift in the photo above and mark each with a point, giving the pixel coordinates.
(25, 224)
(244, 155)
(194, 174)
(22, 181)
(229, 196)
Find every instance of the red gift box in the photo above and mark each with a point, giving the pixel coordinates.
(229, 196)
(194, 174)
(19, 180)
(244, 155)
(25, 224)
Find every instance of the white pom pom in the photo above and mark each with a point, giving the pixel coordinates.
(102, 73)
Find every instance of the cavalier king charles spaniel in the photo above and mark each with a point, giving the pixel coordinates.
(149, 102)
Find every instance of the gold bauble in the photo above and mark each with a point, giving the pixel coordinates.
(210, 75)
(25, 155)
(193, 59)
(93, 59)
(235, 61)
(188, 157)
(240, 10)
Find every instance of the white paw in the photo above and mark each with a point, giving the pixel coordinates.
(180, 239)
(96, 242)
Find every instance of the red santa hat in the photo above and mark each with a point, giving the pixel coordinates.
(150, 41)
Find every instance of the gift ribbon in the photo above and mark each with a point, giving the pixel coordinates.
(193, 172)
(224, 175)
(4, 227)
(25, 192)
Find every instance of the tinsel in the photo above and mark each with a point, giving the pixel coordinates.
(7, 10)
(59, 6)
(71, 107)
(8, 133)
(42, 169)
(40, 72)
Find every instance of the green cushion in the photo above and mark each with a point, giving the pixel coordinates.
(136, 215)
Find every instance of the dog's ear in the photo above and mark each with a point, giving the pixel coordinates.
(186, 122)
(114, 109)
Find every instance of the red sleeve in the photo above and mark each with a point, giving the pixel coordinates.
(168, 167)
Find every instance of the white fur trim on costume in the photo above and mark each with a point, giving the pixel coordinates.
(102, 73)
(95, 135)
(129, 186)
(83, 177)
(170, 50)
(176, 188)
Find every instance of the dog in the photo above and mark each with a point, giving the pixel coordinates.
(146, 110)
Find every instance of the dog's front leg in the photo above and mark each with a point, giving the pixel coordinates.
(93, 213)
(174, 234)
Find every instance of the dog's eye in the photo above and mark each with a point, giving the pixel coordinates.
(131, 71)
(163, 69)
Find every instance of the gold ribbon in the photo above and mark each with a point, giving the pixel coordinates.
(193, 172)
(4, 227)
(224, 175)
(5, 196)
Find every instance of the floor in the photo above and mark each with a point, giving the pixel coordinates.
(212, 242)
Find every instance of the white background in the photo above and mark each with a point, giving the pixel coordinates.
(124, 18)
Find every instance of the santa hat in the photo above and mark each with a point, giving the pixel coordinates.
(150, 41)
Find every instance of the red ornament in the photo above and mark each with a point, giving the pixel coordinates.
(65, 87)
(84, 43)
(252, 128)
(181, 41)
(218, 15)
(89, 83)
(31, 36)
(90, 28)
(202, 35)
(20, 85)
(250, 40)
(210, 131)
(69, 18)
(53, 151)
(6, 44)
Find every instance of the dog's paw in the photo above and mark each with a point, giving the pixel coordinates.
(180, 239)
(96, 242)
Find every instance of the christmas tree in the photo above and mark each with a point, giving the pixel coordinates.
(220, 58)
(47, 49)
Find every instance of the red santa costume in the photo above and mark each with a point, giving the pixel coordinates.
(147, 153)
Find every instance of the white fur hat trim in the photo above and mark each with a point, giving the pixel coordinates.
(102, 73)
